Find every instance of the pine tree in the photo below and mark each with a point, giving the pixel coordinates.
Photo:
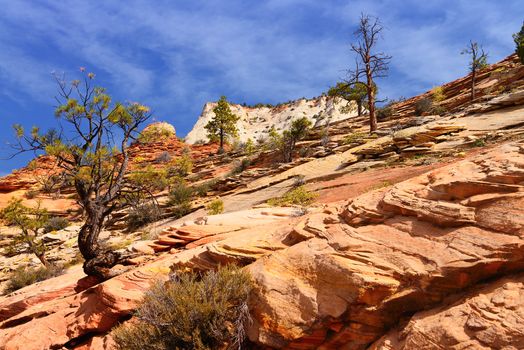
(519, 42)
(223, 124)
(350, 92)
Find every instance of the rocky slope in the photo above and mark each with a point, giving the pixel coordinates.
(338, 277)
(255, 122)
(415, 240)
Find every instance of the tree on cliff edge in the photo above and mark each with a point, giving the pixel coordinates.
(93, 153)
(478, 60)
(223, 123)
(519, 43)
(370, 64)
(350, 92)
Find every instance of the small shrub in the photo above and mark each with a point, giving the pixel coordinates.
(164, 157)
(479, 143)
(423, 106)
(56, 223)
(297, 196)
(123, 244)
(241, 166)
(437, 94)
(384, 113)
(440, 110)
(182, 166)
(202, 189)
(148, 179)
(143, 214)
(156, 132)
(180, 197)
(356, 137)
(191, 311)
(25, 276)
(250, 147)
(30, 194)
(215, 207)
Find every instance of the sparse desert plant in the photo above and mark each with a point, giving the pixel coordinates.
(385, 112)
(250, 147)
(25, 276)
(356, 137)
(29, 221)
(297, 196)
(119, 245)
(180, 196)
(181, 166)
(297, 131)
(164, 157)
(31, 194)
(478, 61)
(215, 207)
(143, 214)
(56, 223)
(191, 311)
(241, 166)
(423, 106)
(147, 180)
(481, 142)
(437, 94)
(202, 189)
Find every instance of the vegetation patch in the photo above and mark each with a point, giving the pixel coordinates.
(25, 276)
(215, 207)
(297, 196)
(191, 311)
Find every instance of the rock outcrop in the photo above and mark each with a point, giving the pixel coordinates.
(487, 317)
(342, 276)
(255, 122)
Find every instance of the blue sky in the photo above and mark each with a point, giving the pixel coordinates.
(176, 55)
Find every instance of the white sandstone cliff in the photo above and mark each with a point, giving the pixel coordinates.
(256, 122)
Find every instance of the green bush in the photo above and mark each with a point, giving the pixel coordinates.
(156, 132)
(56, 223)
(356, 137)
(423, 106)
(25, 276)
(202, 189)
(437, 94)
(182, 166)
(180, 196)
(191, 311)
(215, 207)
(297, 196)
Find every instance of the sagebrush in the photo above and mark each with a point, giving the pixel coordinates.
(191, 311)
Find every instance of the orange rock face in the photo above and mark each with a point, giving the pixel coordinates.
(341, 276)
(391, 253)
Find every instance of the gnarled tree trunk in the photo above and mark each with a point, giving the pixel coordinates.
(98, 261)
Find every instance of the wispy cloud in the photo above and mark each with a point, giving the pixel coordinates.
(176, 55)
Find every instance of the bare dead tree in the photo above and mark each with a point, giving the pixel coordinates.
(478, 60)
(369, 64)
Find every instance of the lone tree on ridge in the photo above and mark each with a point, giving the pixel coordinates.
(370, 64)
(93, 153)
(478, 60)
(223, 123)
